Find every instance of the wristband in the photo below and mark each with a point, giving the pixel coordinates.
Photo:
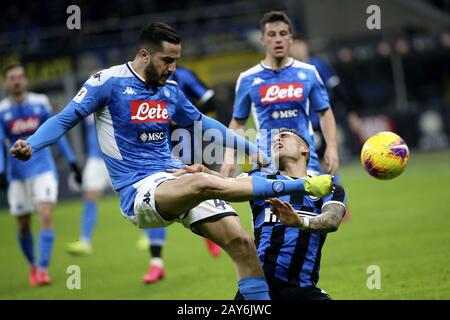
(305, 224)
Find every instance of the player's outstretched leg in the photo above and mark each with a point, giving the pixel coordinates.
(46, 240)
(229, 234)
(26, 243)
(174, 197)
(156, 239)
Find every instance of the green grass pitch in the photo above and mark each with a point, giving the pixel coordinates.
(402, 226)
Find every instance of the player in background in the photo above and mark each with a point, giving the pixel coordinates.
(300, 51)
(155, 238)
(95, 181)
(34, 184)
(290, 230)
(282, 92)
(134, 104)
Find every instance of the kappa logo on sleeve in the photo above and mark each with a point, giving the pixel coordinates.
(80, 95)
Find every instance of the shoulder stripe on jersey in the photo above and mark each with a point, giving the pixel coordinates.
(299, 64)
(252, 70)
(106, 134)
(333, 202)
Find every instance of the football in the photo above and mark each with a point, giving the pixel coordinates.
(384, 155)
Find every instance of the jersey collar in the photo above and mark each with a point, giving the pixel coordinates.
(134, 72)
(289, 63)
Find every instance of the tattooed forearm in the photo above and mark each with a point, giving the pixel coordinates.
(329, 220)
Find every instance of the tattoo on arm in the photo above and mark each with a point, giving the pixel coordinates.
(329, 220)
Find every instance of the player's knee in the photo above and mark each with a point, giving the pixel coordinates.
(24, 227)
(241, 245)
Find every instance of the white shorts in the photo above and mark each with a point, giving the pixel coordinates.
(146, 215)
(95, 175)
(24, 195)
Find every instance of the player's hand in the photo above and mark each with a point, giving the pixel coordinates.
(195, 168)
(331, 160)
(228, 169)
(285, 212)
(75, 179)
(21, 150)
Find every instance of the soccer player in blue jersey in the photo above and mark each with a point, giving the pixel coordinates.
(282, 92)
(133, 105)
(32, 185)
(202, 96)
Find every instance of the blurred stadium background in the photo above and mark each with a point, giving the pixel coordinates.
(398, 78)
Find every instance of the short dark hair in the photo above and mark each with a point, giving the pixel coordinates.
(281, 130)
(153, 35)
(11, 66)
(275, 16)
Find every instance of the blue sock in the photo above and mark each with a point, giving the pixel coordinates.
(255, 288)
(89, 219)
(156, 236)
(27, 246)
(266, 188)
(46, 239)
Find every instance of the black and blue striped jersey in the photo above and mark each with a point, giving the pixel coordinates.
(288, 253)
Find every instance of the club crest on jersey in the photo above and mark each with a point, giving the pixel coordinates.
(24, 125)
(148, 111)
(281, 92)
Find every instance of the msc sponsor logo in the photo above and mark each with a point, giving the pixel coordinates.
(281, 92)
(24, 125)
(284, 114)
(150, 136)
(148, 111)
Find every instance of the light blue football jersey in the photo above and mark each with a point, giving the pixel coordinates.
(281, 99)
(132, 121)
(21, 120)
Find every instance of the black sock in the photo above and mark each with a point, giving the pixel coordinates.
(155, 251)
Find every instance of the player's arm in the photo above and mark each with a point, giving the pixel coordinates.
(320, 103)
(327, 221)
(328, 126)
(3, 179)
(93, 95)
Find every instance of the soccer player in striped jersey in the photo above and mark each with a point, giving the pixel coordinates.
(134, 104)
(32, 185)
(290, 230)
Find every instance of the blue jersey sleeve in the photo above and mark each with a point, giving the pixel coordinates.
(337, 196)
(185, 113)
(191, 85)
(242, 101)
(326, 72)
(318, 96)
(92, 96)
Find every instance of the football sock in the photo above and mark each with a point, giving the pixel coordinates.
(266, 188)
(156, 236)
(254, 288)
(88, 220)
(27, 246)
(46, 239)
